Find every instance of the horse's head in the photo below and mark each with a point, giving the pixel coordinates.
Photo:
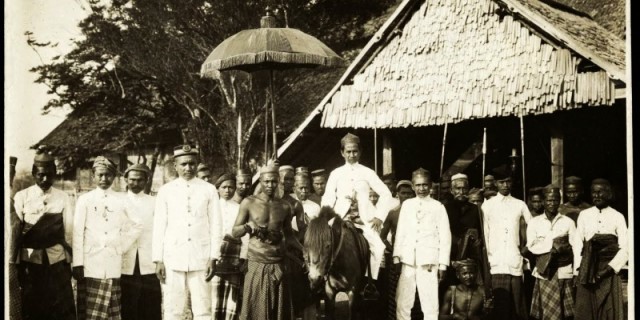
(318, 245)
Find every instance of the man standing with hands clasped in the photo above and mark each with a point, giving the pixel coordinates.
(187, 232)
(421, 249)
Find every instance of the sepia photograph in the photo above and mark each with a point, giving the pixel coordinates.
(318, 160)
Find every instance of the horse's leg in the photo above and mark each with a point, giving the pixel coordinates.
(352, 304)
(329, 303)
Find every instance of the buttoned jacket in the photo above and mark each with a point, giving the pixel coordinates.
(102, 233)
(140, 207)
(540, 235)
(594, 221)
(187, 226)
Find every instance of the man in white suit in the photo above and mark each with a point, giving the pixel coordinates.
(187, 232)
(351, 183)
(421, 250)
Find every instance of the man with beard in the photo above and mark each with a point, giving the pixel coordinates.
(187, 232)
(243, 185)
(601, 250)
(466, 228)
(141, 295)
(505, 219)
(550, 236)
(267, 219)
(319, 182)
(103, 230)
(42, 250)
(466, 300)
(573, 192)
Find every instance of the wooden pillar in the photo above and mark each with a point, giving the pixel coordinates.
(557, 155)
(387, 154)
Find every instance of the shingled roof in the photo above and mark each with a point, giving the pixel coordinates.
(442, 61)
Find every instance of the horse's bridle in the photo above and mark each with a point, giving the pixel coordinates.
(334, 256)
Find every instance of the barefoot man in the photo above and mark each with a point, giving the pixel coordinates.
(266, 219)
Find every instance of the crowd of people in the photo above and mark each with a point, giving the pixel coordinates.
(216, 249)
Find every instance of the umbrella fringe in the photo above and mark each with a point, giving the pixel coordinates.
(250, 61)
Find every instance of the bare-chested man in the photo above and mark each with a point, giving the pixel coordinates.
(267, 220)
(465, 300)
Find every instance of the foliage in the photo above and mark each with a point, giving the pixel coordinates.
(133, 74)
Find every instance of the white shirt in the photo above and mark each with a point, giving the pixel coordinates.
(102, 233)
(140, 207)
(502, 216)
(31, 204)
(540, 235)
(594, 221)
(187, 226)
(311, 209)
(351, 180)
(230, 210)
(423, 236)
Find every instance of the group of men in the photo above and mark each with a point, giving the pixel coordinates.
(213, 249)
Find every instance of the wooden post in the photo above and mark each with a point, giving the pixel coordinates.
(557, 155)
(387, 155)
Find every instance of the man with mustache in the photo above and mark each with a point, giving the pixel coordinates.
(187, 232)
(42, 255)
(601, 250)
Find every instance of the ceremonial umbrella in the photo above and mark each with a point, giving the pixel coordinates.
(268, 48)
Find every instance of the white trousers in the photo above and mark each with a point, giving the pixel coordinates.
(178, 285)
(376, 246)
(427, 284)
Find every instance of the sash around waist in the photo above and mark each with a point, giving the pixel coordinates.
(265, 253)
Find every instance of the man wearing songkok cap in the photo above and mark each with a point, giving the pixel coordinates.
(505, 219)
(536, 201)
(489, 187)
(204, 172)
(42, 251)
(141, 294)
(227, 283)
(421, 250)
(267, 220)
(404, 191)
(319, 183)
(466, 300)
(103, 230)
(600, 252)
(243, 185)
(573, 192)
(466, 229)
(551, 237)
(349, 184)
(187, 233)
(476, 196)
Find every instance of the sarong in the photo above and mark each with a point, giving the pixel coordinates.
(141, 296)
(226, 299)
(265, 294)
(103, 299)
(552, 299)
(508, 297)
(47, 293)
(392, 285)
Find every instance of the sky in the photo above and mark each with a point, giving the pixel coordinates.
(54, 21)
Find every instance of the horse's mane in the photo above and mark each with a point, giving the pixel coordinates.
(318, 231)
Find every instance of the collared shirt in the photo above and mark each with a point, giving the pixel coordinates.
(353, 181)
(230, 210)
(102, 233)
(540, 235)
(423, 234)
(502, 216)
(140, 207)
(30, 205)
(187, 227)
(594, 221)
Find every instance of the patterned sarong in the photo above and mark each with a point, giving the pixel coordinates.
(103, 299)
(601, 301)
(226, 299)
(552, 299)
(509, 302)
(393, 284)
(265, 295)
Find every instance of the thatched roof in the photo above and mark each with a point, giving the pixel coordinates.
(446, 61)
(608, 13)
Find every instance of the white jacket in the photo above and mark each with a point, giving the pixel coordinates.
(140, 207)
(102, 232)
(187, 226)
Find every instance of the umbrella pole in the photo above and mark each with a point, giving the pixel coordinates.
(266, 133)
(239, 140)
(484, 154)
(273, 115)
(444, 143)
(524, 188)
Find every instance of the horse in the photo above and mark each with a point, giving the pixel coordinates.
(336, 256)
